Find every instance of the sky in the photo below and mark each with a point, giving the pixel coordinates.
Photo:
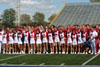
(48, 7)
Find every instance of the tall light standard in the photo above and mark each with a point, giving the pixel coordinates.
(18, 12)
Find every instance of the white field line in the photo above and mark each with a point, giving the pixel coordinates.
(3, 64)
(41, 64)
(90, 60)
(62, 64)
(23, 64)
(12, 57)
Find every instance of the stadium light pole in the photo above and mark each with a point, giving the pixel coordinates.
(18, 12)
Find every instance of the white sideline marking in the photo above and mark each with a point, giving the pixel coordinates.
(90, 60)
(62, 64)
(3, 64)
(23, 64)
(42, 64)
(11, 57)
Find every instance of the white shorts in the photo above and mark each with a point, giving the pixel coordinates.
(45, 40)
(26, 41)
(4, 41)
(38, 41)
(32, 41)
(74, 42)
(50, 40)
(15, 41)
(62, 41)
(57, 39)
(80, 41)
(19, 42)
(10, 42)
(69, 40)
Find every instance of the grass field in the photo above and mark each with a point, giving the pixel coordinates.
(56, 59)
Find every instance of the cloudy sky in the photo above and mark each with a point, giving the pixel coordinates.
(48, 7)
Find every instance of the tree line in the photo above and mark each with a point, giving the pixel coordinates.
(9, 19)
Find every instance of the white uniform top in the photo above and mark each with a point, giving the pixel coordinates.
(69, 39)
(38, 39)
(93, 35)
(1, 35)
(10, 38)
(26, 37)
(80, 41)
(56, 36)
(62, 38)
(19, 38)
(32, 40)
(84, 37)
(16, 38)
(44, 37)
(74, 37)
(4, 41)
(50, 37)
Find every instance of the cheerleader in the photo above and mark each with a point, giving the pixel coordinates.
(1, 36)
(80, 41)
(74, 42)
(32, 42)
(4, 42)
(38, 42)
(62, 41)
(26, 41)
(20, 42)
(51, 42)
(69, 40)
(57, 40)
(10, 42)
(15, 41)
(45, 41)
(85, 41)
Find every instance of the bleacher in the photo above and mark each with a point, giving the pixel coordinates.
(79, 13)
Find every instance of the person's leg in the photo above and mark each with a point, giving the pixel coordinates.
(71, 48)
(44, 47)
(24, 47)
(56, 47)
(40, 48)
(67, 48)
(47, 47)
(34, 48)
(0, 46)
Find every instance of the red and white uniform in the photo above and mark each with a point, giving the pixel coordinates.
(16, 38)
(44, 40)
(32, 38)
(69, 37)
(19, 38)
(79, 35)
(4, 41)
(11, 41)
(26, 36)
(62, 38)
(56, 36)
(38, 39)
(84, 36)
(1, 35)
(50, 38)
(74, 37)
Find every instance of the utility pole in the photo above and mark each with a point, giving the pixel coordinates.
(18, 12)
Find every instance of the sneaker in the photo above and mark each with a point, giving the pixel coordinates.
(56, 52)
(86, 53)
(92, 53)
(63, 52)
(59, 52)
(66, 52)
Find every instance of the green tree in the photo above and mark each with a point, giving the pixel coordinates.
(25, 18)
(9, 17)
(39, 17)
(51, 17)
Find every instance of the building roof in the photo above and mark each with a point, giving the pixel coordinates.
(79, 13)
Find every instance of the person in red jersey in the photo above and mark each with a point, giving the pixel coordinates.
(74, 42)
(69, 40)
(99, 38)
(45, 41)
(32, 41)
(85, 41)
(62, 40)
(11, 41)
(38, 42)
(51, 41)
(57, 41)
(80, 41)
(26, 41)
(20, 42)
(4, 42)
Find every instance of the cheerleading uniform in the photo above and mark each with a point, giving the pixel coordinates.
(56, 36)
(16, 38)
(69, 39)
(26, 36)
(50, 37)
(11, 41)
(62, 38)
(32, 38)
(4, 41)
(38, 39)
(79, 35)
(44, 40)
(19, 38)
(74, 37)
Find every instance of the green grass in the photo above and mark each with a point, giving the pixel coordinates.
(56, 59)
(95, 61)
